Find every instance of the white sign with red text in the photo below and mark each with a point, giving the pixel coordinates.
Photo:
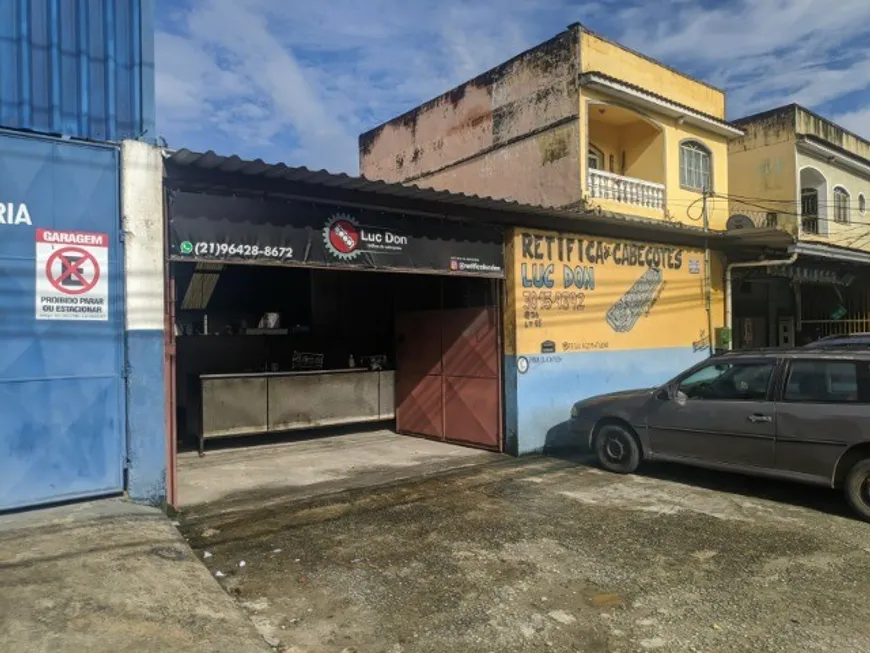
(72, 275)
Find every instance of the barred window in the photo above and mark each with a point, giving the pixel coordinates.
(841, 205)
(695, 166)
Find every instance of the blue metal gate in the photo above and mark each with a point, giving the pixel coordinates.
(62, 425)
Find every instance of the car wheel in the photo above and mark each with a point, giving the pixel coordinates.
(858, 489)
(617, 449)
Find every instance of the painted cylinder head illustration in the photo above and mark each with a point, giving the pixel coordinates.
(629, 308)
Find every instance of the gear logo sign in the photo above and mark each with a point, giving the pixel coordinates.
(341, 234)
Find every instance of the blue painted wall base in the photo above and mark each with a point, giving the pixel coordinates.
(538, 402)
(146, 418)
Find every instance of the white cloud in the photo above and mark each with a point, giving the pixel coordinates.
(225, 71)
(297, 81)
(747, 28)
(856, 121)
(764, 54)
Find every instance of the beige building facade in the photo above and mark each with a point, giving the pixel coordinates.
(795, 170)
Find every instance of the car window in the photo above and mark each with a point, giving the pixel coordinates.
(747, 381)
(828, 381)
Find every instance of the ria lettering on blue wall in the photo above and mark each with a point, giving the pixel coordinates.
(13, 214)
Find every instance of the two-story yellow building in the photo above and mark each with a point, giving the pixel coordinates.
(583, 124)
(576, 122)
(795, 170)
(656, 140)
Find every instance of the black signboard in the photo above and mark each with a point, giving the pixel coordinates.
(803, 273)
(219, 228)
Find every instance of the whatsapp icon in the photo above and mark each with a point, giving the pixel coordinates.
(186, 247)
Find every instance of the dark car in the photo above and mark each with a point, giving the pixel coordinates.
(845, 341)
(797, 414)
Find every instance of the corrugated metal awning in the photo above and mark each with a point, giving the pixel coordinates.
(760, 237)
(201, 286)
(834, 253)
(499, 211)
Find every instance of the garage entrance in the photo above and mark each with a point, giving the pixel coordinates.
(62, 436)
(294, 319)
(447, 374)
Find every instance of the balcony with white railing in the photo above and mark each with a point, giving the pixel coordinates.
(626, 190)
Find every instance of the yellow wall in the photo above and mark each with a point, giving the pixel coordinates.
(766, 176)
(765, 167)
(682, 205)
(606, 138)
(599, 55)
(644, 152)
(570, 289)
(641, 143)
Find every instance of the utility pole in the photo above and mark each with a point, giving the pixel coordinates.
(708, 277)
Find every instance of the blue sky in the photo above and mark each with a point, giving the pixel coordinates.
(297, 80)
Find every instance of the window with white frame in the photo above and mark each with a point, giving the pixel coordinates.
(841, 205)
(862, 204)
(595, 159)
(695, 166)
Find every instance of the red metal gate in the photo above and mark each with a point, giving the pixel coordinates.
(171, 390)
(472, 392)
(448, 376)
(419, 383)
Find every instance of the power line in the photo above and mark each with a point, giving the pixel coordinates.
(767, 209)
(845, 237)
(682, 201)
(749, 198)
(689, 205)
(844, 227)
(827, 208)
(766, 206)
(849, 241)
(850, 226)
(856, 243)
(779, 201)
(849, 207)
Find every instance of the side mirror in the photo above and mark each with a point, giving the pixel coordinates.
(664, 394)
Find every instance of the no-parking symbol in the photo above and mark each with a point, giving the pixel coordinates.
(71, 275)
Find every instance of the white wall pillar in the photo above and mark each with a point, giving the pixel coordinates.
(144, 256)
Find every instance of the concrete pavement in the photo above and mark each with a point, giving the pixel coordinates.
(316, 466)
(109, 576)
(541, 554)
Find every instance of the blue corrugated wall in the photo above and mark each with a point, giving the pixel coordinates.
(79, 68)
(62, 432)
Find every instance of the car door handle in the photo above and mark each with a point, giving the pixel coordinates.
(760, 418)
